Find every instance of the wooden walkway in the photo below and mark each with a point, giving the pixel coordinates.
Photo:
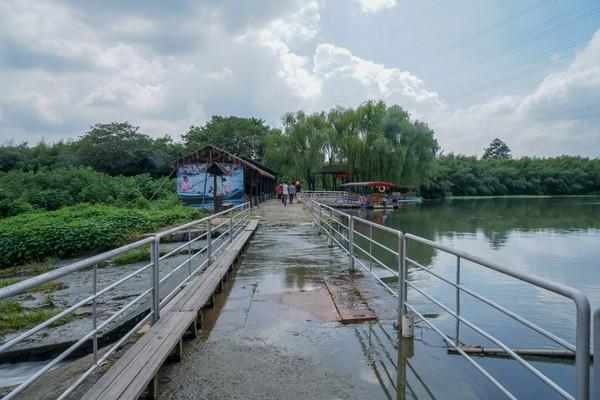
(137, 368)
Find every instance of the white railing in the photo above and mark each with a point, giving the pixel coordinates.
(357, 237)
(218, 230)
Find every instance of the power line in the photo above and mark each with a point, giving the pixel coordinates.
(518, 43)
(552, 81)
(537, 57)
(514, 76)
(498, 24)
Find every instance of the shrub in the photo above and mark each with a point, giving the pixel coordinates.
(81, 229)
(53, 189)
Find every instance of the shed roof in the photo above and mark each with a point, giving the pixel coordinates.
(210, 153)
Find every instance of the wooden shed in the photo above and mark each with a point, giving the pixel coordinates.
(210, 176)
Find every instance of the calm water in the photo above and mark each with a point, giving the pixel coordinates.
(554, 238)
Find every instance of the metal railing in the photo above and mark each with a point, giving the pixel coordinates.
(354, 234)
(320, 193)
(218, 230)
(596, 350)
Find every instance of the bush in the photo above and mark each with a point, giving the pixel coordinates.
(73, 231)
(51, 190)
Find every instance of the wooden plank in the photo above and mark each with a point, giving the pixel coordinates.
(142, 366)
(132, 373)
(348, 302)
(149, 365)
(252, 225)
(121, 365)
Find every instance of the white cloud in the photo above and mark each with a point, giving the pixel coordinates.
(559, 116)
(166, 72)
(375, 5)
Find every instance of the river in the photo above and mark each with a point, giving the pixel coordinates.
(557, 238)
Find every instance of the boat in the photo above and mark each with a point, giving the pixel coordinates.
(376, 194)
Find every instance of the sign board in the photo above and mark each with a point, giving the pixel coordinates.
(196, 187)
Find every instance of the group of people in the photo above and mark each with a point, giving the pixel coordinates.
(287, 192)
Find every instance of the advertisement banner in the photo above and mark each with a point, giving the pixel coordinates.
(196, 187)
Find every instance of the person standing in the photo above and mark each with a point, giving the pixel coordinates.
(284, 193)
(292, 192)
(278, 192)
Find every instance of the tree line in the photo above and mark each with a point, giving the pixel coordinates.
(373, 141)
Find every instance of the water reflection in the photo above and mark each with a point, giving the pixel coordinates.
(495, 218)
(389, 360)
(554, 238)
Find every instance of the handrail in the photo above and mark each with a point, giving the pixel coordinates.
(322, 216)
(240, 214)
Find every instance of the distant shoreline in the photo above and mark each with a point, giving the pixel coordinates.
(516, 196)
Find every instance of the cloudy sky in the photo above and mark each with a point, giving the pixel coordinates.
(527, 71)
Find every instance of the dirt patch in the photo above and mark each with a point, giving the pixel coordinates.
(226, 369)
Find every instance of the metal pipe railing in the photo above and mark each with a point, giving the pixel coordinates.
(236, 217)
(323, 220)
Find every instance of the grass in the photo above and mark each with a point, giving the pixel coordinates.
(47, 287)
(136, 255)
(9, 281)
(14, 316)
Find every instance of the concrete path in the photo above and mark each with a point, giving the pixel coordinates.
(274, 332)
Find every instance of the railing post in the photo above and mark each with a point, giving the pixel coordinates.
(351, 242)
(457, 330)
(370, 248)
(95, 323)
(155, 279)
(582, 349)
(231, 225)
(319, 218)
(189, 251)
(596, 339)
(401, 268)
(209, 240)
(330, 243)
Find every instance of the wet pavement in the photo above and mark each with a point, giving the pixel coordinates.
(274, 332)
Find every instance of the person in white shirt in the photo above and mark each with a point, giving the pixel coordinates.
(285, 193)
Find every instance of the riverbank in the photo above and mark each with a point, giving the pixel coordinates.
(516, 196)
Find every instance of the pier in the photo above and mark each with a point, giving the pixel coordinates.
(303, 301)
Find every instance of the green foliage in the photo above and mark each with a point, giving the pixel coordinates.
(51, 189)
(373, 141)
(15, 317)
(240, 136)
(119, 148)
(459, 175)
(497, 149)
(77, 230)
(116, 148)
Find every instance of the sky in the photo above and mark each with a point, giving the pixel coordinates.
(526, 71)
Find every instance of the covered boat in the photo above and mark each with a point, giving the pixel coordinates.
(378, 194)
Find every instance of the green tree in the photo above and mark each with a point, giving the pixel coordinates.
(497, 149)
(240, 136)
(118, 148)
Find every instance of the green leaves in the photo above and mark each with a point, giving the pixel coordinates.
(74, 231)
(373, 141)
(240, 136)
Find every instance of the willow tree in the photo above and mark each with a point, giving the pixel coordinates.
(375, 141)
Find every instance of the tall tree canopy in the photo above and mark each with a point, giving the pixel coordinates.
(497, 149)
(240, 136)
(118, 148)
(374, 141)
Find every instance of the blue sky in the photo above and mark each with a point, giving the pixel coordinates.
(525, 71)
